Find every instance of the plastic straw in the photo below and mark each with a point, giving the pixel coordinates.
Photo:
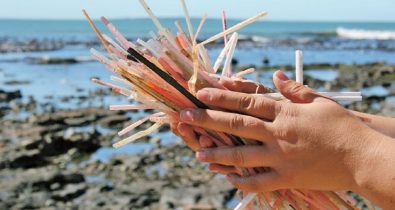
(299, 66)
(235, 28)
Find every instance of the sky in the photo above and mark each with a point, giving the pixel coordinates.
(291, 10)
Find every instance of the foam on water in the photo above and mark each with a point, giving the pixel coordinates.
(365, 34)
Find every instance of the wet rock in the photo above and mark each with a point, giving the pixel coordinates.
(28, 45)
(6, 96)
(113, 121)
(23, 159)
(74, 117)
(17, 82)
(359, 76)
(388, 109)
(70, 192)
(47, 60)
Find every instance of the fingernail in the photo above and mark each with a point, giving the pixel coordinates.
(280, 75)
(201, 155)
(203, 95)
(186, 115)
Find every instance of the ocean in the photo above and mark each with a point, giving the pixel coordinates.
(272, 41)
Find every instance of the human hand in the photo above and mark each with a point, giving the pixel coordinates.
(311, 145)
(195, 142)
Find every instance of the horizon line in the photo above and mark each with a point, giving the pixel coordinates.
(182, 17)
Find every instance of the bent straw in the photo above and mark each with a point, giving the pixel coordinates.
(234, 28)
(187, 19)
(97, 32)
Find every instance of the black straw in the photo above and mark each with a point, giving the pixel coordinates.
(134, 55)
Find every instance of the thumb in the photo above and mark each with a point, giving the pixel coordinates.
(294, 91)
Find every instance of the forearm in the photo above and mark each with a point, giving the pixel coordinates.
(384, 125)
(376, 177)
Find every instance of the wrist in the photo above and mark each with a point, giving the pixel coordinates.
(374, 170)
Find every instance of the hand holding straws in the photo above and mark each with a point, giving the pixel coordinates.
(164, 72)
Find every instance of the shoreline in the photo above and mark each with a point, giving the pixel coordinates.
(61, 157)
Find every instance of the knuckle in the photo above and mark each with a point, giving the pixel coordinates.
(295, 88)
(218, 96)
(246, 102)
(199, 115)
(237, 156)
(236, 122)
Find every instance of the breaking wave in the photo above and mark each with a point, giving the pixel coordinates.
(365, 34)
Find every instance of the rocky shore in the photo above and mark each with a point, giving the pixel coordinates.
(48, 154)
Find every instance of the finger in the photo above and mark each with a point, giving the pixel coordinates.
(254, 105)
(242, 156)
(244, 86)
(217, 168)
(206, 142)
(188, 136)
(294, 91)
(263, 182)
(236, 124)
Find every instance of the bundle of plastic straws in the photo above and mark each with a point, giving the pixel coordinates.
(164, 73)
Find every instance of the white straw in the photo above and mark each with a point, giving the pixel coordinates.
(103, 59)
(235, 28)
(153, 35)
(353, 96)
(152, 50)
(341, 93)
(129, 107)
(157, 23)
(199, 28)
(246, 200)
(120, 80)
(227, 70)
(112, 42)
(346, 98)
(299, 66)
(152, 16)
(223, 53)
(188, 19)
(138, 135)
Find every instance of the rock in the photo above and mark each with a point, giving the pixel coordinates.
(113, 121)
(23, 159)
(70, 192)
(47, 60)
(28, 45)
(17, 82)
(10, 95)
(388, 109)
